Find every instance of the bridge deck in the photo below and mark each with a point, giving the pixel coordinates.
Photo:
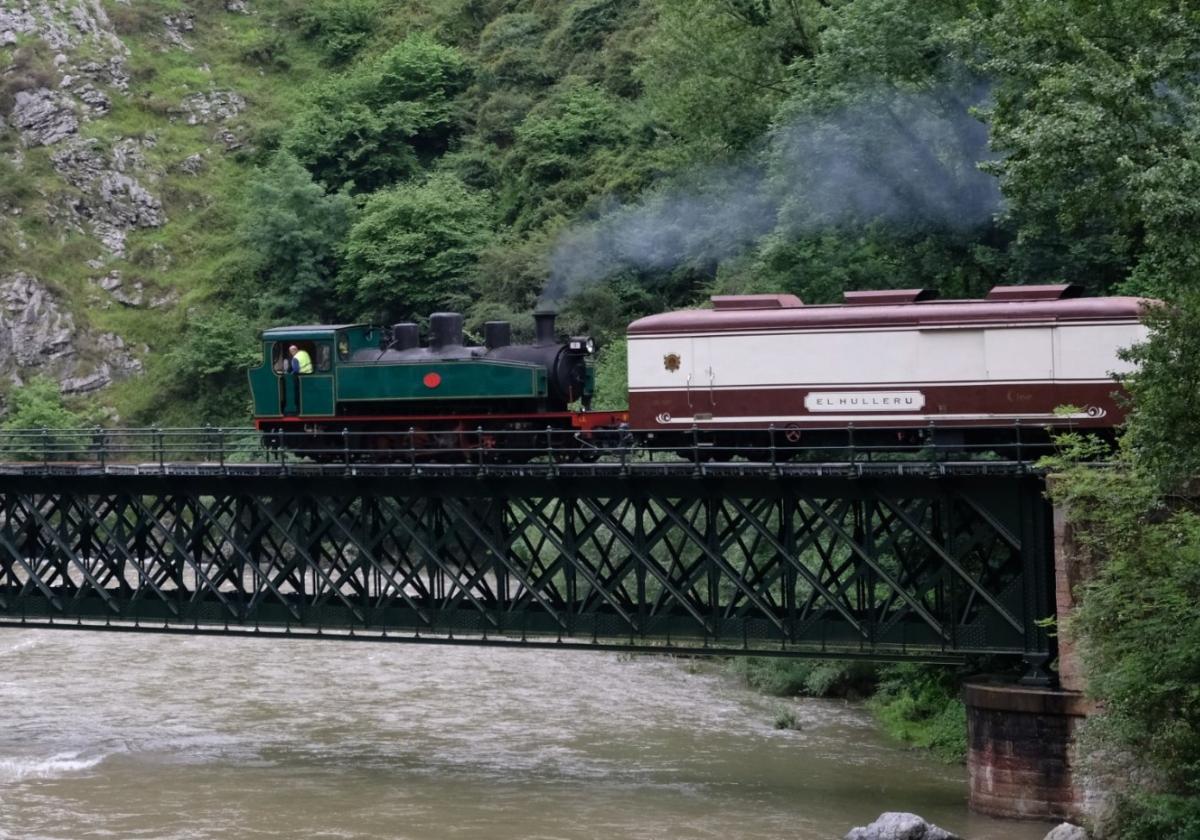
(879, 559)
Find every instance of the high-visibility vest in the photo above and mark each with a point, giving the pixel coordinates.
(303, 361)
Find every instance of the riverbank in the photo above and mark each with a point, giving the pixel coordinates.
(918, 705)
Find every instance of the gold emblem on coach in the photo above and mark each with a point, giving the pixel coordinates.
(671, 362)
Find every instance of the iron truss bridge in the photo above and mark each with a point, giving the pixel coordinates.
(895, 560)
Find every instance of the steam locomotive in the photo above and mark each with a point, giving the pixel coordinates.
(376, 390)
(895, 366)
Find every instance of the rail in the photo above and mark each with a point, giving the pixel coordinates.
(228, 448)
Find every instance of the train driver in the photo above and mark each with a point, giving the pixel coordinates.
(301, 361)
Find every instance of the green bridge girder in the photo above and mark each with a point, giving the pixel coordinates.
(892, 562)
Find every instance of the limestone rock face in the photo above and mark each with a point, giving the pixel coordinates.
(133, 293)
(176, 26)
(43, 117)
(214, 106)
(34, 332)
(39, 337)
(108, 185)
(113, 200)
(897, 825)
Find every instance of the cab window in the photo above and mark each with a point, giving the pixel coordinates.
(323, 361)
(343, 347)
(279, 357)
(320, 352)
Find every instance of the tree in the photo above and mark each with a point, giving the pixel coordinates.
(714, 73)
(372, 125)
(1094, 119)
(412, 250)
(294, 230)
(206, 370)
(1163, 434)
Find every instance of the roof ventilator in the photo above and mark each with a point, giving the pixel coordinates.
(887, 297)
(727, 302)
(1060, 291)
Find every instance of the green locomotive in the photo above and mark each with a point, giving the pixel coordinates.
(369, 388)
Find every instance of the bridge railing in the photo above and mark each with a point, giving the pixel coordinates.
(1017, 443)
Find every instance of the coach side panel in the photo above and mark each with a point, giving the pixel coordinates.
(904, 376)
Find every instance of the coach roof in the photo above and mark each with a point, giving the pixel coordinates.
(916, 314)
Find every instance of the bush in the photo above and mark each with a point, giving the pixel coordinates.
(807, 677)
(35, 406)
(1137, 624)
(206, 371)
(510, 51)
(921, 704)
(268, 50)
(340, 28)
(32, 68)
(370, 126)
(1158, 817)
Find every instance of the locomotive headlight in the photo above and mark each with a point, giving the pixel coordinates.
(582, 344)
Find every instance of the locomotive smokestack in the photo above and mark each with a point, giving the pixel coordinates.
(543, 328)
(497, 334)
(445, 330)
(405, 336)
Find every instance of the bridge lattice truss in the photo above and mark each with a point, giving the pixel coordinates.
(891, 567)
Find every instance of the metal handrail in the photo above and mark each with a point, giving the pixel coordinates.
(481, 447)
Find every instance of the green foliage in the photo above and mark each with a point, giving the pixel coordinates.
(1094, 105)
(612, 376)
(1137, 625)
(414, 246)
(293, 231)
(37, 406)
(1164, 430)
(567, 149)
(206, 370)
(714, 73)
(510, 51)
(786, 719)
(372, 125)
(920, 704)
(1158, 817)
(341, 28)
(811, 678)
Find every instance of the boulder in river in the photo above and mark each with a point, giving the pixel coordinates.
(897, 825)
(1066, 831)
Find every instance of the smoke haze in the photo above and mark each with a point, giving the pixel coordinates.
(908, 160)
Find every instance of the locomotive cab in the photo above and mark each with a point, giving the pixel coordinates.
(277, 391)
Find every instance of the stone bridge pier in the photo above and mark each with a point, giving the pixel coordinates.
(1022, 755)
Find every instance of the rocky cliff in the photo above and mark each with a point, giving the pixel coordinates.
(105, 108)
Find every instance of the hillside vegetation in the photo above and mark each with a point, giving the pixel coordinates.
(365, 159)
